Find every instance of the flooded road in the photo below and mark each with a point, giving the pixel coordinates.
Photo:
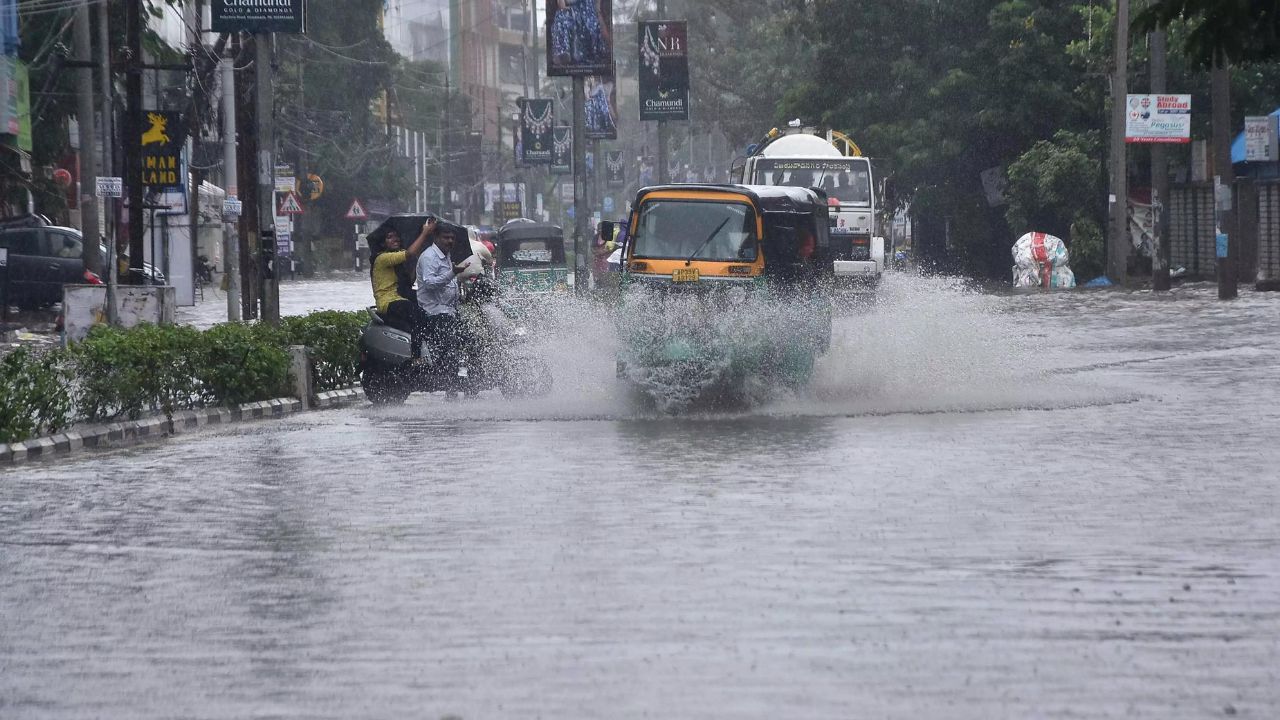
(1054, 506)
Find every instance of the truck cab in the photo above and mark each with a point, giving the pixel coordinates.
(801, 158)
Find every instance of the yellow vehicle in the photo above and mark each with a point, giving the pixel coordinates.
(724, 289)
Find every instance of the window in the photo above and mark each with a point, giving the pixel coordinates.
(21, 242)
(63, 245)
(694, 230)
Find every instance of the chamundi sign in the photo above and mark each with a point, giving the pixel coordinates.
(259, 16)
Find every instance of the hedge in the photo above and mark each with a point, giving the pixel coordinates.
(117, 373)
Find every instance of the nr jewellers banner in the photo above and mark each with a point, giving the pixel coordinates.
(664, 71)
(562, 151)
(161, 144)
(536, 138)
(601, 111)
(579, 37)
(259, 16)
(615, 168)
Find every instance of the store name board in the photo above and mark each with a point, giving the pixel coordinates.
(259, 16)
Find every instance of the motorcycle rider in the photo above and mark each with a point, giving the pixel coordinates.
(438, 299)
(398, 311)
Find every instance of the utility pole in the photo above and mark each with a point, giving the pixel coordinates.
(1159, 172)
(230, 234)
(132, 134)
(1118, 237)
(664, 176)
(580, 227)
(88, 137)
(269, 294)
(108, 155)
(1224, 176)
(247, 165)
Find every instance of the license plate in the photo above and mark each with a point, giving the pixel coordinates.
(686, 275)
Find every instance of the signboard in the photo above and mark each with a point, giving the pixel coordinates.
(1260, 139)
(537, 122)
(505, 211)
(110, 187)
(232, 207)
(161, 143)
(289, 204)
(615, 168)
(601, 108)
(285, 181)
(1158, 119)
(562, 150)
(356, 211)
(664, 71)
(258, 16)
(579, 37)
(4, 257)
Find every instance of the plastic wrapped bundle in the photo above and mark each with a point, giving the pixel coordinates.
(1040, 260)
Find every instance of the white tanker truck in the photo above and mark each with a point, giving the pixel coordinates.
(800, 157)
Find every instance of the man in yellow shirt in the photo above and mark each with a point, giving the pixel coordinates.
(399, 312)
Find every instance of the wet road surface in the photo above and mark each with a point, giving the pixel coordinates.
(986, 507)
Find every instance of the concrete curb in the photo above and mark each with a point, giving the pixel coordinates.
(137, 432)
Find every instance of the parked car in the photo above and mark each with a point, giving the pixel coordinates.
(43, 258)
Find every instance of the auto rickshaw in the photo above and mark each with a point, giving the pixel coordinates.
(725, 291)
(531, 258)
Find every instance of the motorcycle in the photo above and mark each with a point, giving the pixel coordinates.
(495, 352)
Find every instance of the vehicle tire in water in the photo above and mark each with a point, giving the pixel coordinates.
(382, 387)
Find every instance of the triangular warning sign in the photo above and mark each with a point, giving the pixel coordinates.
(289, 204)
(356, 211)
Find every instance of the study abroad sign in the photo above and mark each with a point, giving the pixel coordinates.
(664, 71)
(259, 16)
(1158, 119)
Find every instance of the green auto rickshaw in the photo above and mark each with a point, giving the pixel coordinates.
(530, 258)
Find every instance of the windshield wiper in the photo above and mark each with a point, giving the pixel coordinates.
(712, 236)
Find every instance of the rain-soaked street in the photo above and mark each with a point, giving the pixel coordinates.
(1051, 506)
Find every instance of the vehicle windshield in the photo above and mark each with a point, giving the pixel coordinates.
(530, 253)
(696, 230)
(847, 180)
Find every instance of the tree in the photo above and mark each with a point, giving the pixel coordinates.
(1240, 30)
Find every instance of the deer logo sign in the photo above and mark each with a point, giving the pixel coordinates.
(156, 134)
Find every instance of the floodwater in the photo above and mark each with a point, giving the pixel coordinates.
(1050, 506)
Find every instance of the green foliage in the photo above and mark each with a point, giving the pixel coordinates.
(1242, 30)
(237, 363)
(33, 395)
(1087, 248)
(1053, 181)
(124, 373)
(330, 337)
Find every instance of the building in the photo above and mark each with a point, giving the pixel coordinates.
(418, 29)
(495, 58)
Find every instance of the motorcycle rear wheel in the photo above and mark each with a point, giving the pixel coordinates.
(383, 387)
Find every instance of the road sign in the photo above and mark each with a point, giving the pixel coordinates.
(289, 204)
(356, 211)
(110, 187)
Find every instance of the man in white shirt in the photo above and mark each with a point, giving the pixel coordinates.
(438, 297)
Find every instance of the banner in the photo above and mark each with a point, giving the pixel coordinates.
(562, 150)
(664, 71)
(1260, 139)
(161, 144)
(258, 16)
(1158, 119)
(579, 37)
(536, 123)
(615, 169)
(601, 110)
